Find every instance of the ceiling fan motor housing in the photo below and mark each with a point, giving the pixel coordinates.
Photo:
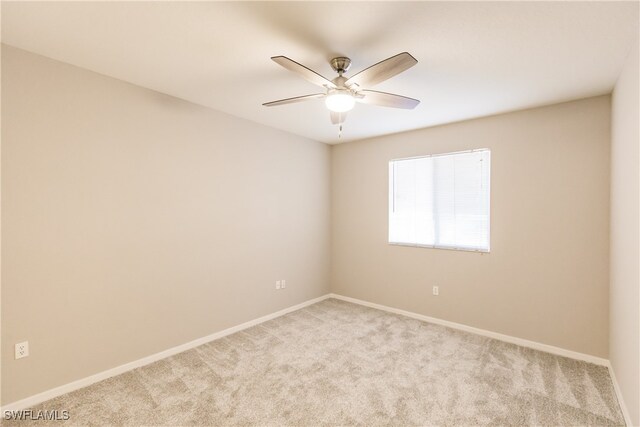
(341, 64)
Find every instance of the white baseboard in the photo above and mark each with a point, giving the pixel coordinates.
(84, 382)
(495, 335)
(623, 407)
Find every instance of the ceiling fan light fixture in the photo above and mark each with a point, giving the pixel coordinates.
(340, 101)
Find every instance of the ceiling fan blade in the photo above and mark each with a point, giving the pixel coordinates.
(387, 99)
(383, 70)
(337, 118)
(305, 72)
(294, 99)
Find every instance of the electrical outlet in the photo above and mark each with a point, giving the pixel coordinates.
(436, 290)
(278, 284)
(22, 350)
(284, 284)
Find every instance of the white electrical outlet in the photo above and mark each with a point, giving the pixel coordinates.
(436, 290)
(278, 284)
(284, 284)
(22, 350)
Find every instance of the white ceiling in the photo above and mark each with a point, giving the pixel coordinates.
(475, 58)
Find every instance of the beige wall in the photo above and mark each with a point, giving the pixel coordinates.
(133, 222)
(546, 278)
(624, 327)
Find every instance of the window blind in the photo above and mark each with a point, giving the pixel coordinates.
(441, 200)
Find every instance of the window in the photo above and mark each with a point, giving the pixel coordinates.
(441, 201)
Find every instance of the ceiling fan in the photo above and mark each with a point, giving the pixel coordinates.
(343, 92)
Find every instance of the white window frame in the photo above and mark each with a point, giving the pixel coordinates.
(447, 247)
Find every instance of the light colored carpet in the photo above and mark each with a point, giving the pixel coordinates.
(336, 363)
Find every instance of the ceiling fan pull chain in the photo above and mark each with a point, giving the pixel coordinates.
(340, 132)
